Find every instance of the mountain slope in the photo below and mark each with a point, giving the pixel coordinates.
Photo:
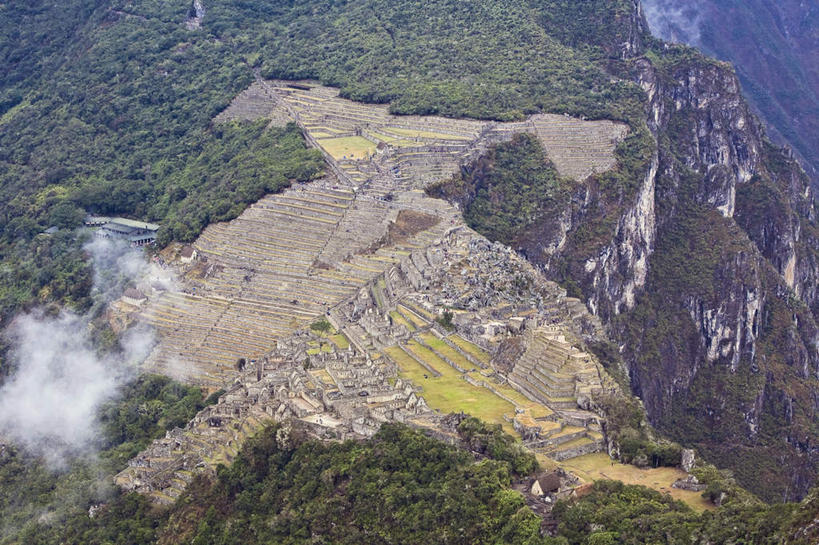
(403, 487)
(707, 273)
(774, 48)
(699, 249)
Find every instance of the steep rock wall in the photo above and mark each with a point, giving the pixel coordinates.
(735, 252)
(702, 261)
(724, 290)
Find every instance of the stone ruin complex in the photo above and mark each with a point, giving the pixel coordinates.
(398, 275)
(338, 394)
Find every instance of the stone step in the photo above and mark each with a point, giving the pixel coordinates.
(566, 434)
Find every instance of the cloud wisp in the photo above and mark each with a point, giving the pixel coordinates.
(674, 20)
(49, 405)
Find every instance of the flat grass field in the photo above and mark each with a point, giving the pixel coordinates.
(340, 341)
(534, 409)
(450, 393)
(598, 466)
(351, 147)
(442, 348)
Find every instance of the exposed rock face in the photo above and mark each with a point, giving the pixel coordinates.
(741, 174)
(621, 268)
(195, 15)
(778, 68)
(740, 280)
(706, 272)
(730, 353)
(729, 327)
(688, 459)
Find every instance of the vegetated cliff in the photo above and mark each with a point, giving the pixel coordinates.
(728, 311)
(706, 271)
(773, 44)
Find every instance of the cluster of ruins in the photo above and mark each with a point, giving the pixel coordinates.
(407, 288)
(334, 394)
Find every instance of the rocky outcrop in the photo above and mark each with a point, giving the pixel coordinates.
(705, 271)
(740, 173)
(620, 270)
(195, 15)
(779, 69)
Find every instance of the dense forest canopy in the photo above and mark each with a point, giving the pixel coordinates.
(107, 107)
(402, 487)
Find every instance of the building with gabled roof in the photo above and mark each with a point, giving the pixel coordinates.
(137, 233)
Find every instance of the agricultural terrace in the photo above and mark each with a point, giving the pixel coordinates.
(399, 319)
(473, 350)
(441, 347)
(349, 147)
(415, 133)
(414, 316)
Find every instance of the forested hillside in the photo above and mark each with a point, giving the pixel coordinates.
(403, 487)
(699, 250)
(36, 498)
(107, 108)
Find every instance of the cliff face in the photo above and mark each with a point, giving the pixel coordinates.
(773, 45)
(743, 176)
(716, 298)
(705, 269)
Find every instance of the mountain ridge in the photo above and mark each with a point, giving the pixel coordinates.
(698, 250)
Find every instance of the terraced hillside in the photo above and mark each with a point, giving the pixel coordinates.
(292, 256)
(279, 266)
(390, 153)
(366, 252)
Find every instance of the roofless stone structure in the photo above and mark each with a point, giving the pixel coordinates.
(367, 250)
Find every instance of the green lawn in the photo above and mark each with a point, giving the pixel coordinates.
(416, 318)
(428, 356)
(398, 318)
(533, 408)
(450, 393)
(473, 350)
(442, 347)
(340, 341)
(351, 147)
(592, 467)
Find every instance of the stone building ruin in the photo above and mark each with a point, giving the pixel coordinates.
(365, 249)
